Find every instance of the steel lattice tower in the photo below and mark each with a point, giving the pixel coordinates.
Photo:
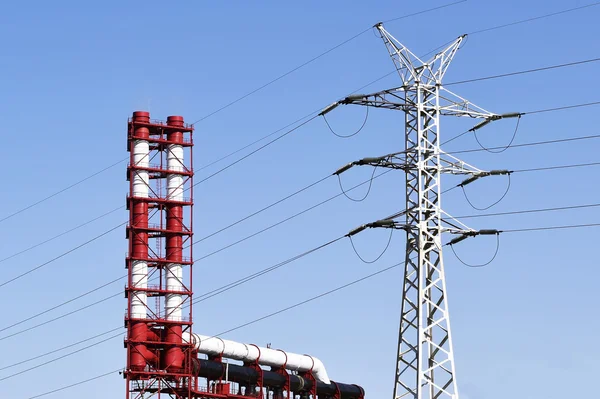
(425, 358)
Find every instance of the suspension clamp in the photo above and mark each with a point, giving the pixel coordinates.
(473, 233)
(495, 118)
(477, 175)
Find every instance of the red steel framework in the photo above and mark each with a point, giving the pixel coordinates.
(159, 361)
(159, 262)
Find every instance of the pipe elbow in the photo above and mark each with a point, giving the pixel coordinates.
(318, 371)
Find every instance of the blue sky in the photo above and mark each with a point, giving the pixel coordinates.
(72, 72)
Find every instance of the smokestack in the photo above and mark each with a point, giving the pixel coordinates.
(138, 283)
(174, 271)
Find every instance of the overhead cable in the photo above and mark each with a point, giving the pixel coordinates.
(60, 234)
(269, 83)
(295, 215)
(61, 255)
(339, 288)
(378, 79)
(15, 213)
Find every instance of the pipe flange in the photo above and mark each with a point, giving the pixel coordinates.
(222, 346)
(338, 393)
(286, 357)
(362, 391)
(313, 363)
(258, 350)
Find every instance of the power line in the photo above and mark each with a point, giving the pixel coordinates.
(250, 277)
(280, 222)
(227, 106)
(522, 21)
(75, 384)
(60, 357)
(263, 209)
(580, 165)
(572, 226)
(339, 288)
(60, 256)
(258, 140)
(60, 349)
(423, 12)
(526, 71)
(243, 280)
(202, 239)
(269, 83)
(224, 288)
(525, 211)
(308, 115)
(538, 111)
(61, 191)
(562, 108)
(273, 204)
(60, 235)
(254, 151)
(557, 141)
(62, 304)
(324, 178)
(311, 116)
(62, 316)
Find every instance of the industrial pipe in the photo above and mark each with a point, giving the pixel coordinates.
(139, 354)
(249, 377)
(174, 244)
(215, 346)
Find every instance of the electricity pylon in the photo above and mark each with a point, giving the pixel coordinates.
(425, 358)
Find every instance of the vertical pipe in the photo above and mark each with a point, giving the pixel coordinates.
(139, 246)
(174, 272)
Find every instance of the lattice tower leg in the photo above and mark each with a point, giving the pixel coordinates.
(425, 366)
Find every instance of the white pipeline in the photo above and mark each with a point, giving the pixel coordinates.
(174, 272)
(139, 273)
(215, 346)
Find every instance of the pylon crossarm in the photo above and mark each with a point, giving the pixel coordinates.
(440, 62)
(405, 61)
(464, 234)
(389, 99)
(411, 68)
(387, 222)
(452, 104)
(396, 160)
(456, 226)
(480, 174)
(452, 165)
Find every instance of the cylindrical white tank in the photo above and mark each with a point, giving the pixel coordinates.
(174, 271)
(139, 273)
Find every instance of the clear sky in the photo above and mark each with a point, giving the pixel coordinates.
(73, 72)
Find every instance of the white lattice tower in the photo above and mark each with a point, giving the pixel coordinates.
(425, 358)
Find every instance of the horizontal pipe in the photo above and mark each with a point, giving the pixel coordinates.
(248, 353)
(248, 376)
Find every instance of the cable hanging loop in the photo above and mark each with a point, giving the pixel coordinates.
(341, 135)
(378, 257)
(481, 232)
(483, 174)
(502, 148)
(368, 189)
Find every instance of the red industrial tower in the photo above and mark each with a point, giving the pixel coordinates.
(159, 261)
(162, 353)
